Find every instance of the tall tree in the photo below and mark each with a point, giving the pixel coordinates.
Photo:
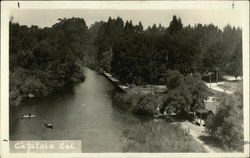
(175, 25)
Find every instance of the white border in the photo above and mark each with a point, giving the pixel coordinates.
(243, 6)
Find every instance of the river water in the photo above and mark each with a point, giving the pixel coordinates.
(81, 112)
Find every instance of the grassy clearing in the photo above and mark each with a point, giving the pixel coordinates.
(159, 137)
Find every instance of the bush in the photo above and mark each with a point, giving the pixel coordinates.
(34, 86)
(22, 83)
(227, 124)
(144, 106)
(173, 79)
(125, 100)
(137, 103)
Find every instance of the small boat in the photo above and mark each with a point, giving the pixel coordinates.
(48, 125)
(27, 116)
(124, 87)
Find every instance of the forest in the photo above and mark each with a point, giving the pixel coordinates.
(142, 55)
(43, 60)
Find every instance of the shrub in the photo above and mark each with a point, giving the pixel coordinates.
(125, 100)
(144, 106)
(227, 124)
(137, 103)
(34, 86)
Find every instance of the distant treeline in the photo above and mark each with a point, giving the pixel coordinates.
(45, 59)
(137, 55)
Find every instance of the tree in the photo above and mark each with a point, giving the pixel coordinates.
(108, 34)
(43, 60)
(175, 25)
(185, 93)
(227, 124)
(233, 51)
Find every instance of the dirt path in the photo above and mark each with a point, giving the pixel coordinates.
(215, 87)
(196, 131)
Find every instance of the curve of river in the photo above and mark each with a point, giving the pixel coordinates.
(80, 112)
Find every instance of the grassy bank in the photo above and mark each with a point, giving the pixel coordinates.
(159, 137)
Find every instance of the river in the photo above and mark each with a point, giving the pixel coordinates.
(81, 112)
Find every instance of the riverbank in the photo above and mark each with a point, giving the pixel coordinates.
(114, 82)
(26, 84)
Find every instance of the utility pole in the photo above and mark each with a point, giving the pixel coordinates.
(210, 80)
(217, 77)
(139, 80)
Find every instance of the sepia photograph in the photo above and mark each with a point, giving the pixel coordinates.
(144, 77)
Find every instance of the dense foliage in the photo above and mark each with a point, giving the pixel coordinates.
(227, 124)
(141, 56)
(136, 103)
(185, 93)
(43, 60)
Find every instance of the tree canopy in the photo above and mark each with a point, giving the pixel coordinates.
(52, 56)
(185, 93)
(43, 60)
(145, 54)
